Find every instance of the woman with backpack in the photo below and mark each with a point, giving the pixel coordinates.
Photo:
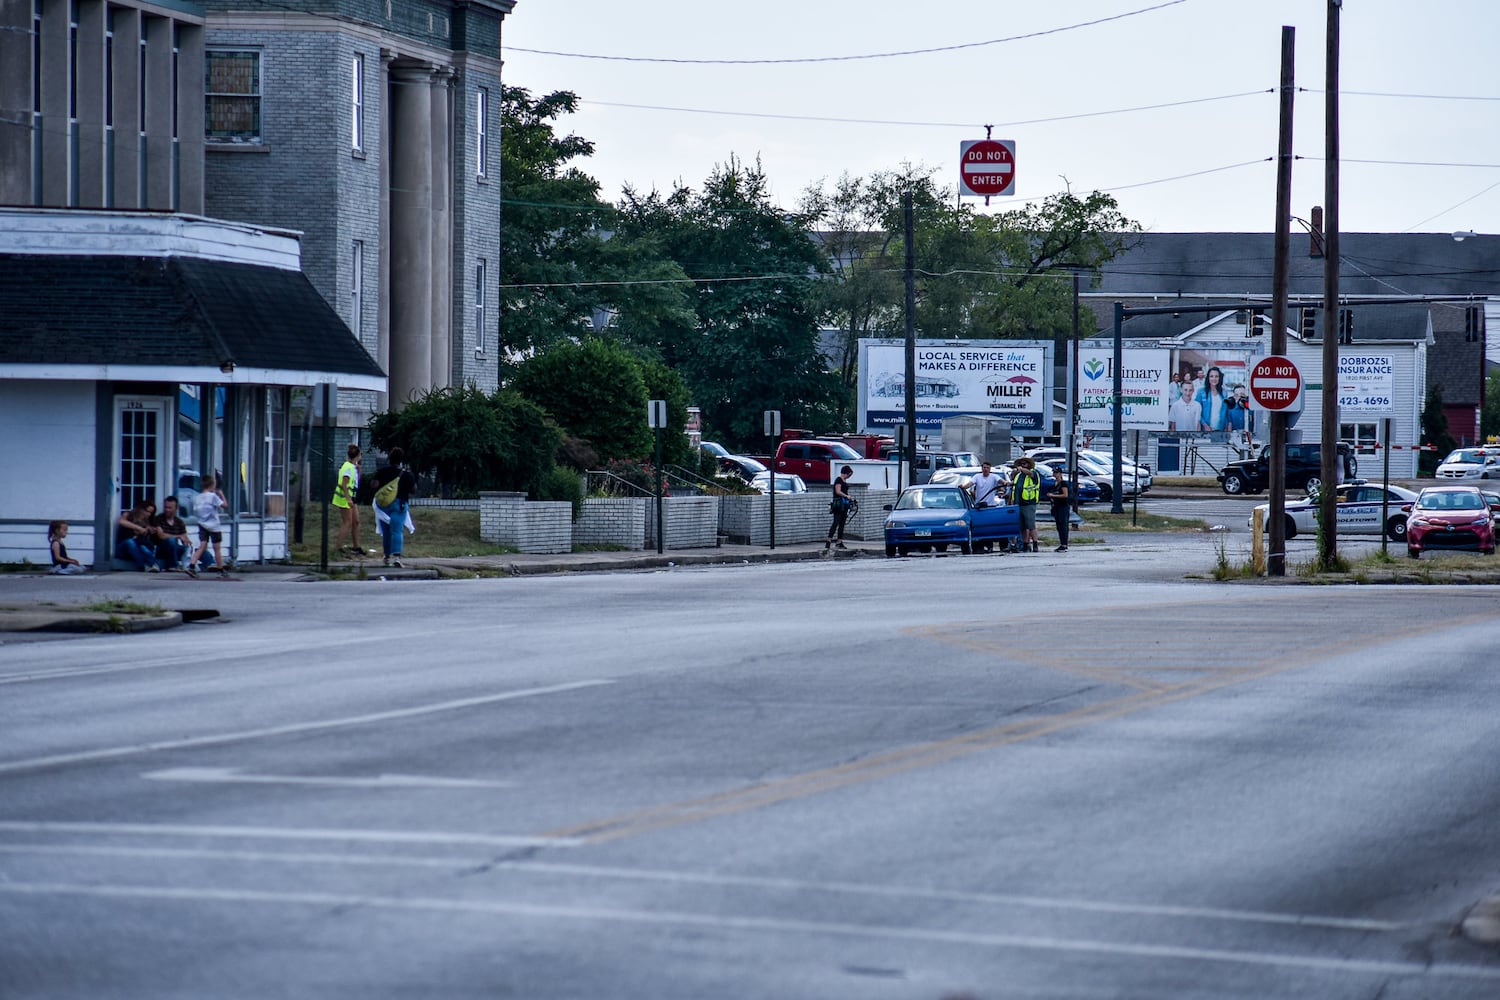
(394, 485)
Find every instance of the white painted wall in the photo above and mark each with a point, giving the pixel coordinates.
(47, 452)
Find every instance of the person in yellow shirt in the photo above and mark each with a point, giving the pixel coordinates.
(343, 499)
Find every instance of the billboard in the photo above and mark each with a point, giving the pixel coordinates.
(1210, 393)
(1145, 385)
(987, 378)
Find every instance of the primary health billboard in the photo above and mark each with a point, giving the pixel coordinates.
(989, 378)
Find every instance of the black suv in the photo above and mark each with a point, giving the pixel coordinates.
(1304, 469)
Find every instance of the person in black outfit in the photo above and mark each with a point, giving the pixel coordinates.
(1062, 507)
(839, 508)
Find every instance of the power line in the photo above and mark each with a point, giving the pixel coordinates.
(1415, 97)
(932, 124)
(825, 59)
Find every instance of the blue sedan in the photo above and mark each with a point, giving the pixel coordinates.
(935, 517)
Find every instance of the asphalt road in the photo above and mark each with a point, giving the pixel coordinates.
(1060, 775)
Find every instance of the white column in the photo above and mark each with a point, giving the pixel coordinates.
(411, 232)
(442, 230)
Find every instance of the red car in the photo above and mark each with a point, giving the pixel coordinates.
(1457, 518)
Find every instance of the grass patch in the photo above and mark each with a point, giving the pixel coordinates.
(111, 606)
(1103, 520)
(441, 534)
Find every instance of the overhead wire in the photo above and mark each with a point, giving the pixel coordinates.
(851, 58)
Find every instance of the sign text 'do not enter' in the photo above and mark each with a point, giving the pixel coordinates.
(1275, 382)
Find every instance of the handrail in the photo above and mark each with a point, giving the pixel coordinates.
(612, 485)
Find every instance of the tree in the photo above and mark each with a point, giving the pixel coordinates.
(565, 272)
(1489, 417)
(594, 389)
(473, 442)
(751, 342)
(1435, 430)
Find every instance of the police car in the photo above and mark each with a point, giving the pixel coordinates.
(1358, 507)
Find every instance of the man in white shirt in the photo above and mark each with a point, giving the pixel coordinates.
(986, 487)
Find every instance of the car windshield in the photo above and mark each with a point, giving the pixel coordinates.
(964, 458)
(943, 499)
(1468, 455)
(1451, 501)
(843, 452)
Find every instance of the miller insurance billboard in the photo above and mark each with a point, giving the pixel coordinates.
(988, 378)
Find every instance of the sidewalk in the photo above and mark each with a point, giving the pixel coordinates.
(48, 616)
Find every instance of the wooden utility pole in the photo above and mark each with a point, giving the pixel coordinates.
(1328, 552)
(908, 228)
(1276, 528)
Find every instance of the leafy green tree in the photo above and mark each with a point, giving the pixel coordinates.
(1489, 417)
(664, 383)
(594, 389)
(1435, 430)
(753, 340)
(472, 442)
(565, 273)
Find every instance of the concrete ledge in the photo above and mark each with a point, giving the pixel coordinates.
(94, 622)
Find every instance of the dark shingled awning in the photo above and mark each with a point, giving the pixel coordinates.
(179, 315)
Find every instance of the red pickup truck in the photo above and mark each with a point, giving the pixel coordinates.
(814, 461)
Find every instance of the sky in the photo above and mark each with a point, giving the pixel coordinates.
(1169, 105)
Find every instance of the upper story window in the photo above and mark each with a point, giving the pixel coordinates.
(479, 303)
(482, 132)
(357, 104)
(232, 95)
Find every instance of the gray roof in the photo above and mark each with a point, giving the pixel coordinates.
(1167, 264)
(173, 313)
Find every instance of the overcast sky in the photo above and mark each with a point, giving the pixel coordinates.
(1168, 104)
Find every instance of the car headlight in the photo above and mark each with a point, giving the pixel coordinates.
(1480, 520)
(895, 524)
(1421, 520)
(955, 524)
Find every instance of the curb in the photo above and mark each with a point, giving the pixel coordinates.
(94, 622)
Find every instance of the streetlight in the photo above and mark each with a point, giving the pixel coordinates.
(1463, 234)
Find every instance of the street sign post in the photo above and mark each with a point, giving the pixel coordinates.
(1275, 382)
(987, 167)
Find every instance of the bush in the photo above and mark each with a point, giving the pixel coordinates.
(562, 484)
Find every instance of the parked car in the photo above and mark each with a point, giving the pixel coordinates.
(814, 461)
(784, 483)
(743, 466)
(1102, 459)
(1470, 463)
(929, 463)
(1304, 469)
(1358, 507)
(1452, 518)
(1088, 491)
(927, 518)
(1104, 476)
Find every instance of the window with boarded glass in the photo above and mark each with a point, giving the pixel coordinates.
(232, 100)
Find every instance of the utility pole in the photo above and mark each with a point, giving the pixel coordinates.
(1276, 528)
(1327, 512)
(911, 333)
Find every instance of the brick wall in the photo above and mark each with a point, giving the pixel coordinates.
(687, 522)
(800, 517)
(541, 526)
(612, 521)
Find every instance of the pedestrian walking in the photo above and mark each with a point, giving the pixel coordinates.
(839, 508)
(1062, 507)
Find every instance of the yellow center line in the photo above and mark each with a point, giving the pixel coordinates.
(905, 759)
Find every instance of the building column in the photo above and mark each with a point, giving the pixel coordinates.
(16, 134)
(159, 107)
(57, 130)
(91, 110)
(128, 166)
(190, 118)
(411, 232)
(383, 264)
(442, 230)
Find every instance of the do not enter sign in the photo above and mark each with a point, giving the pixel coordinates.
(987, 167)
(1275, 382)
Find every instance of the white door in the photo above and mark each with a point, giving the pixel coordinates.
(142, 458)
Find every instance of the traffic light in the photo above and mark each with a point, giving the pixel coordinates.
(1257, 324)
(1309, 323)
(1346, 326)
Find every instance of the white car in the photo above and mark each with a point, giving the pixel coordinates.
(785, 482)
(1471, 463)
(1141, 474)
(1358, 507)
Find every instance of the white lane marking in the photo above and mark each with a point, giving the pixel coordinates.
(112, 753)
(230, 775)
(285, 833)
(1021, 942)
(1312, 921)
